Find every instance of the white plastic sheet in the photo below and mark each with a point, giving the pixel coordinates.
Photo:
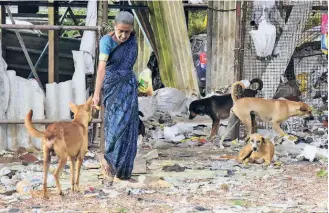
(79, 78)
(88, 41)
(12, 112)
(24, 95)
(52, 103)
(4, 101)
(65, 97)
(264, 38)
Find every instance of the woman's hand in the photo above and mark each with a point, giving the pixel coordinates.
(95, 99)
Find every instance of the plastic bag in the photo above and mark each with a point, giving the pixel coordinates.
(145, 82)
(264, 38)
(172, 100)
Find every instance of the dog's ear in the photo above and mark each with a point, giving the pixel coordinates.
(263, 140)
(73, 107)
(88, 103)
(303, 109)
(248, 139)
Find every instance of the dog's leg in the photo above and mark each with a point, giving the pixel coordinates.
(233, 120)
(277, 128)
(72, 170)
(246, 120)
(46, 163)
(61, 165)
(77, 174)
(214, 129)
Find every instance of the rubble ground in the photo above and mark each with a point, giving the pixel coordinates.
(179, 171)
(206, 185)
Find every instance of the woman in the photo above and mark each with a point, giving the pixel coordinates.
(118, 53)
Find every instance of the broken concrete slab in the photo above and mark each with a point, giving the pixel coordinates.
(139, 166)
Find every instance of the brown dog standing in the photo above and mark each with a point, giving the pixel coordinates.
(268, 110)
(65, 139)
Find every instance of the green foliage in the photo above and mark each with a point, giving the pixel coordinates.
(81, 22)
(313, 21)
(197, 23)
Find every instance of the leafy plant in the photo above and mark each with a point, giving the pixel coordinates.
(81, 22)
(197, 22)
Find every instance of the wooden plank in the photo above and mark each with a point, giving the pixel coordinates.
(53, 44)
(209, 46)
(143, 17)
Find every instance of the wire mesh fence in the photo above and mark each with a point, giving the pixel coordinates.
(296, 68)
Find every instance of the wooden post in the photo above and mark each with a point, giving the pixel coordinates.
(53, 44)
(3, 21)
(209, 46)
(102, 111)
(237, 56)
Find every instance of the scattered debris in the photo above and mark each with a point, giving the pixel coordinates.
(151, 155)
(174, 168)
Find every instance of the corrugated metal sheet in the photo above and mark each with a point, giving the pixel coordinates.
(171, 38)
(221, 44)
(144, 51)
(35, 43)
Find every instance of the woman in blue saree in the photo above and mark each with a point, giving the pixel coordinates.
(118, 53)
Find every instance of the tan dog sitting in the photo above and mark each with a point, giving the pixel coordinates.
(258, 150)
(65, 139)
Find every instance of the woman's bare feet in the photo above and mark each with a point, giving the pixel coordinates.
(130, 180)
(106, 169)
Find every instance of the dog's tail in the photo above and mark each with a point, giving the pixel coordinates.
(234, 93)
(140, 114)
(259, 82)
(30, 128)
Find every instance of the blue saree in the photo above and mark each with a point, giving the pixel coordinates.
(121, 105)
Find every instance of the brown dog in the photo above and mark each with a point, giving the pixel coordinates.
(268, 110)
(258, 150)
(65, 139)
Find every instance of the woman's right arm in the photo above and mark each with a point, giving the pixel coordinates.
(100, 77)
(104, 52)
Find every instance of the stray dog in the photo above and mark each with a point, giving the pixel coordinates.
(258, 150)
(268, 110)
(65, 139)
(218, 107)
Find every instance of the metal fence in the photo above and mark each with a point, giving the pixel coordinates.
(297, 67)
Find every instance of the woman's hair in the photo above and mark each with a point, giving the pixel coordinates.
(124, 17)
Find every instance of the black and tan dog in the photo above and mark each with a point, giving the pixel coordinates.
(258, 150)
(218, 107)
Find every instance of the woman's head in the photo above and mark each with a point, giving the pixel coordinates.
(123, 25)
